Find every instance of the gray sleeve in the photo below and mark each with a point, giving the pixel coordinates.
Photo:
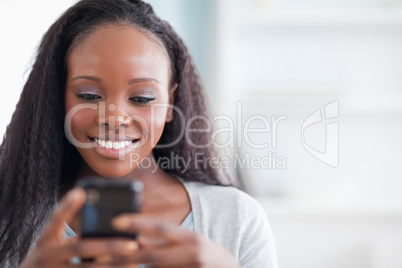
(257, 247)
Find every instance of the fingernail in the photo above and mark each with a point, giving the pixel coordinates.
(132, 245)
(122, 222)
(73, 194)
(104, 259)
(127, 248)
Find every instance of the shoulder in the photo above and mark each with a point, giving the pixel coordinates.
(235, 220)
(224, 206)
(224, 196)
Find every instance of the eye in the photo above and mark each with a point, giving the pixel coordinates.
(88, 97)
(142, 100)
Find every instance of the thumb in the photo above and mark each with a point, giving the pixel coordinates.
(68, 207)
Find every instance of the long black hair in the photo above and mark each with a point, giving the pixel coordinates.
(37, 163)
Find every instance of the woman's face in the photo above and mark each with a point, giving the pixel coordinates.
(116, 98)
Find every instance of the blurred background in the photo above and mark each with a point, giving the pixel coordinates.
(329, 72)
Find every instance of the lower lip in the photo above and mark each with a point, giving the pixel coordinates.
(114, 153)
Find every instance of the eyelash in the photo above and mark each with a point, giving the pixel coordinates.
(92, 97)
(142, 100)
(88, 97)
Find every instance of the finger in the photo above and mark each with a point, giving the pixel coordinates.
(174, 256)
(151, 243)
(72, 240)
(67, 209)
(172, 266)
(91, 249)
(151, 227)
(112, 247)
(103, 265)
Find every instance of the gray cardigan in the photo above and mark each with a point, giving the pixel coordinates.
(234, 220)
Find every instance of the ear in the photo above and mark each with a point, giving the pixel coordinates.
(172, 92)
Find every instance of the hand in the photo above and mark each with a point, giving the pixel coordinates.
(162, 244)
(53, 251)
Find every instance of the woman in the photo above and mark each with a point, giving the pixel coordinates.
(121, 83)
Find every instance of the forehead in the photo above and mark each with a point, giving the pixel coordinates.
(119, 48)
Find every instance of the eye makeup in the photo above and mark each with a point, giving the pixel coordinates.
(143, 94)
(87, 90)
(142, 99)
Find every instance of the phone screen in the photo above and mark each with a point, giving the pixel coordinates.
(105, 199)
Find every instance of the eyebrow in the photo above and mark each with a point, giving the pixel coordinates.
(130, 82)
(91, 78)
(139, 80)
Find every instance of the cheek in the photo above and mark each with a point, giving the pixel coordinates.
(156, 124)
(79, 120)
(82, 120)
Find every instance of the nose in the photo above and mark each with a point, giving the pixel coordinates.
(112, 117)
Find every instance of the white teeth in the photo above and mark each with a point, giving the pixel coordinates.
(116, 145)
(110, 144)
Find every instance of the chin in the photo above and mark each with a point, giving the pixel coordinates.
(110, 168)
(113, 175)
(113, 171)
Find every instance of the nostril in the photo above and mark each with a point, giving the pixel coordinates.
(115, 122)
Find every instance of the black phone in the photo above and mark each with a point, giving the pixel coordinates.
(105, 199)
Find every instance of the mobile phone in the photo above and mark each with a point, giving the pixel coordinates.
(105, 199)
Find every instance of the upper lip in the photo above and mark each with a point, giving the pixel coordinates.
(114, 138)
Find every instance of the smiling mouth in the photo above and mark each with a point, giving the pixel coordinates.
(116, 145)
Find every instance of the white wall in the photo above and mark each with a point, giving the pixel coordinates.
(287, 57)
(22, 24)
